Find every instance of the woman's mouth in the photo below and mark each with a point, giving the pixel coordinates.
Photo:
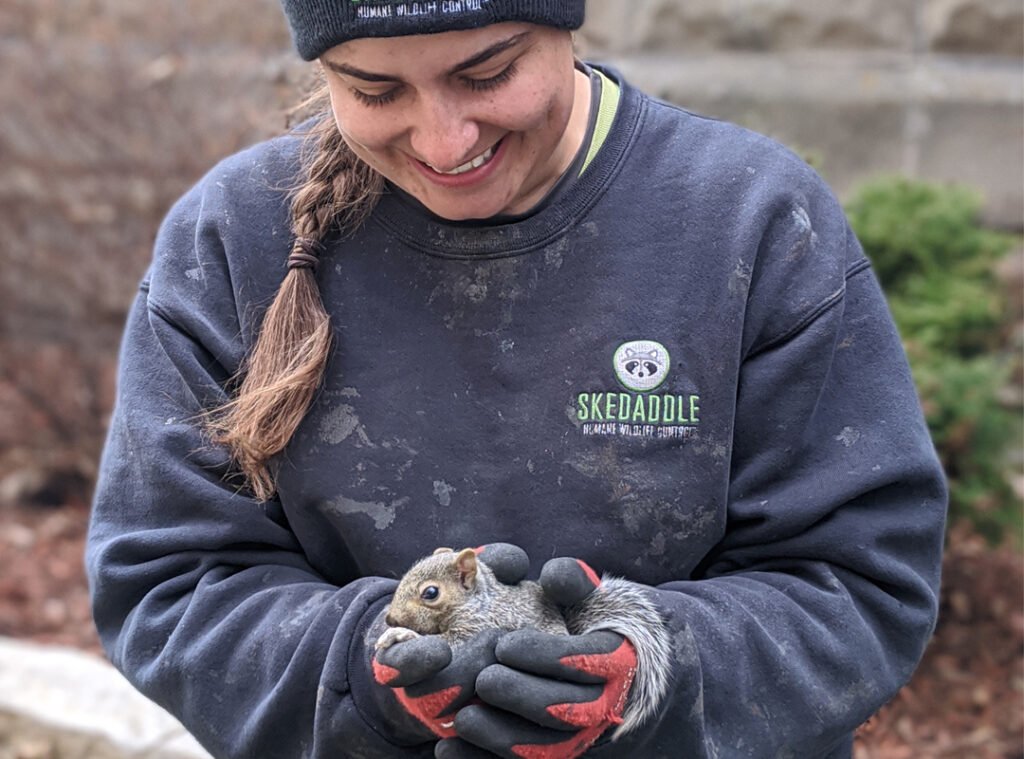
(477, 162)
(469, 173)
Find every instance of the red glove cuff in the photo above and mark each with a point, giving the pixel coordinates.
(618, 669)
(428, 708)
(593, 717)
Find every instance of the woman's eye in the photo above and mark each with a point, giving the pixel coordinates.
(494, 81)
(430, 593)
(382, 99)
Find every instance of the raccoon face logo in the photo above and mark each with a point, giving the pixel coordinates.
(641, 365)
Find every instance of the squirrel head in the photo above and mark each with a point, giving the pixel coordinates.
(433, 589)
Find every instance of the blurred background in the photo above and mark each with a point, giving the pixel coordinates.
(911, 109)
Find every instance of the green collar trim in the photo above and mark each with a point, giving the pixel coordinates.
(609, 104)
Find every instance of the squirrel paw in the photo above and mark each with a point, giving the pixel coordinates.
(394, 635)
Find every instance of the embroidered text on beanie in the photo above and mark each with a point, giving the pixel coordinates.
(319, 25)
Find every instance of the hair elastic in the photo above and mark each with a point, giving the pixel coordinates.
(305, 254)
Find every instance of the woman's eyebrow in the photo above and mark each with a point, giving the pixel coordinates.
(366, 76)
(484, 55)
(487, 54)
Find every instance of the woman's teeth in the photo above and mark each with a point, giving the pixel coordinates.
(480, 160)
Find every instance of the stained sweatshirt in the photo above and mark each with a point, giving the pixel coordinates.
(681, 370)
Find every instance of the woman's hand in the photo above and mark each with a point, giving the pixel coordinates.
(550, 697)
(430, 681)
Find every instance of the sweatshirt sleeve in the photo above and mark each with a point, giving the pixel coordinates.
(816, 605)
(202, 595)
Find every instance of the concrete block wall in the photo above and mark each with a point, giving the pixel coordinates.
(927, 88)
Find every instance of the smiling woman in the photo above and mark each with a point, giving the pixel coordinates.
(515, 303)
(470, 123)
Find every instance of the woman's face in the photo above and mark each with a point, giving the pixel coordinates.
(471, 123)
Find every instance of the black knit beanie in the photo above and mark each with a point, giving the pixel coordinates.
(319, 25)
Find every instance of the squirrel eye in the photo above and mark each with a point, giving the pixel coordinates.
(430, 593)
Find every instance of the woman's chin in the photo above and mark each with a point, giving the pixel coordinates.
(467, 209)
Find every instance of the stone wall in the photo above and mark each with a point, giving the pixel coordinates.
(974, 27)
(927, 88)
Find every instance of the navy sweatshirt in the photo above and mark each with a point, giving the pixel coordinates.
(681, 371)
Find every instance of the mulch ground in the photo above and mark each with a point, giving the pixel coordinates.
(966, 700)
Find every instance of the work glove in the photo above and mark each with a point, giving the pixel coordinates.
(429, 682)
(425, 679)
(550, 696)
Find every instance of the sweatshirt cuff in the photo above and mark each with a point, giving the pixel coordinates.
(376, 704)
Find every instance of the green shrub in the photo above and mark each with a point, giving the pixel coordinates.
(913, 229)
(936, 264)
(955, 315)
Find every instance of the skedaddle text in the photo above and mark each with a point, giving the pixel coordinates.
(638, 409)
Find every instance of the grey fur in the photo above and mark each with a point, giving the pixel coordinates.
(507, 607)
(626, 608)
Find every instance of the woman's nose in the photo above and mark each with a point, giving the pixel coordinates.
(443, 136)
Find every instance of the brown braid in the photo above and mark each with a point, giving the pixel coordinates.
(286, 364)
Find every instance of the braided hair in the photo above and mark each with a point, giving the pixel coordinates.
(280, 376)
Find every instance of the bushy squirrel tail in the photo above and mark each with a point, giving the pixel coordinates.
(626, 608)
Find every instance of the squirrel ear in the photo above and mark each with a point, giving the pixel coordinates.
(465, 562)
(443, 550)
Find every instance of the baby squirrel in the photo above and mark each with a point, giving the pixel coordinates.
(456, 596)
